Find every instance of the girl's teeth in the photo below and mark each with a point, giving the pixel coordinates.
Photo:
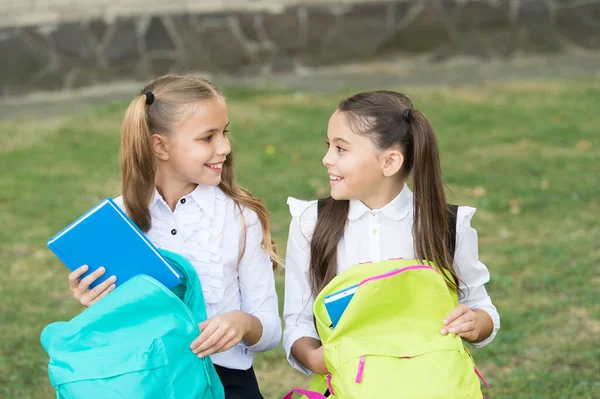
(331, 177)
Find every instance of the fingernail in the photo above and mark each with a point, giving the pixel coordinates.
(445, 321)
(443, 332)
(200, 356)
(113, 278)
(112, 287)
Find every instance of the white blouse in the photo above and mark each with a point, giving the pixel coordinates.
(372, 236)
(206, 228)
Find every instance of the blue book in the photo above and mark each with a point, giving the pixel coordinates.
(106, 236)
(336, 303)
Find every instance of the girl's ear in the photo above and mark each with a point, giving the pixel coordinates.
(392, 162)
(160, 146)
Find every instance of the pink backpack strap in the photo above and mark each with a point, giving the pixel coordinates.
(305, 392)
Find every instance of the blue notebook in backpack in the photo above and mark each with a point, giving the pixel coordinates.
(106, 236)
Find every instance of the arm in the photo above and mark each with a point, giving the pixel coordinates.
(310, 354)
(476, 318)
(257, 287)
(300, 339)
(257, 324)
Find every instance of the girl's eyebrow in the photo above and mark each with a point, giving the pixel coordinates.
(214, 129)
(339, 139)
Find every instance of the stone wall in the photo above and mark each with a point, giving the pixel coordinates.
(263, 37)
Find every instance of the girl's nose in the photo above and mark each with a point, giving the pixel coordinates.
(224, 147)
(326, 160)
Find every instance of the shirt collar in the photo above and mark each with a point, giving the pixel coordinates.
(203, 195)
(397, 209)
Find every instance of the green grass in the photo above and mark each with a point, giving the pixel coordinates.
(525, 154)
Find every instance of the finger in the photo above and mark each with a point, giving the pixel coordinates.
(211, 341)
(203, 325)
(470, 335)
(456, 313)
(205, 333)
(452, 327)
(89, 279)
(91, 295)
(461, 320)
(75, 274)
(467, 326)
(227, 342)
(106, 291)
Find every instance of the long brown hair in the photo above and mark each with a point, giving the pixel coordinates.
(172, 96)
(381, 116)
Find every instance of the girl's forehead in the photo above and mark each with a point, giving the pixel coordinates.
(207, 112)
(344, 127)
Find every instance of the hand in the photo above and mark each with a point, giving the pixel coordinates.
(81, 290)
(221, 333)
(317, 361)
(462, 321)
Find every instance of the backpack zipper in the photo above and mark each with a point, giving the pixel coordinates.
(361, 363)
(395, 272)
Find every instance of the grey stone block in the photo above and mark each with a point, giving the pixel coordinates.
(72, 44)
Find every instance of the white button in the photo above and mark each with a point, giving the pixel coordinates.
(374, 231)
(372, 213)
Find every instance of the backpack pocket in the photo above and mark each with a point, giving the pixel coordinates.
(118, 372)
(441, 369)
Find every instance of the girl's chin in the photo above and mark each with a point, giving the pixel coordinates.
(338, 194)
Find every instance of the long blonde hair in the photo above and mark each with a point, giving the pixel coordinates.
(172, 93)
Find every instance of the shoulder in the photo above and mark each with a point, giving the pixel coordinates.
(304, 214)
(302, 209)
(464, 216)
(237, 213)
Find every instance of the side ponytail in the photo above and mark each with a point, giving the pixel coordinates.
(137, 164)
(430, 226)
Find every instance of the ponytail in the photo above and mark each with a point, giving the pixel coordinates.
(430, 225)
(137, 164)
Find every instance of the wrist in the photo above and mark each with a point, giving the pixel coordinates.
(246, 322)
(479, 331)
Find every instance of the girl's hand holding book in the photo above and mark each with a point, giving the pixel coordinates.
(81, 290)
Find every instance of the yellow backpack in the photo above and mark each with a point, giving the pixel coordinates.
(388, 344)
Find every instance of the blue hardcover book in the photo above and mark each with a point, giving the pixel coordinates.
(105, 236)
(336, 303)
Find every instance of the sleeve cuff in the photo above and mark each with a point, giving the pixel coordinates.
(288, 340)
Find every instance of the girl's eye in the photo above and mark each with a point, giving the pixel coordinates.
(328, 145)
(207, 139)
(225, 132)
(340, 149)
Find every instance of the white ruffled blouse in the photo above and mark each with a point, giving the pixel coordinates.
(206, 228)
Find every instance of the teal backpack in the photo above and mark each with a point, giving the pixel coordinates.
(135, 343)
